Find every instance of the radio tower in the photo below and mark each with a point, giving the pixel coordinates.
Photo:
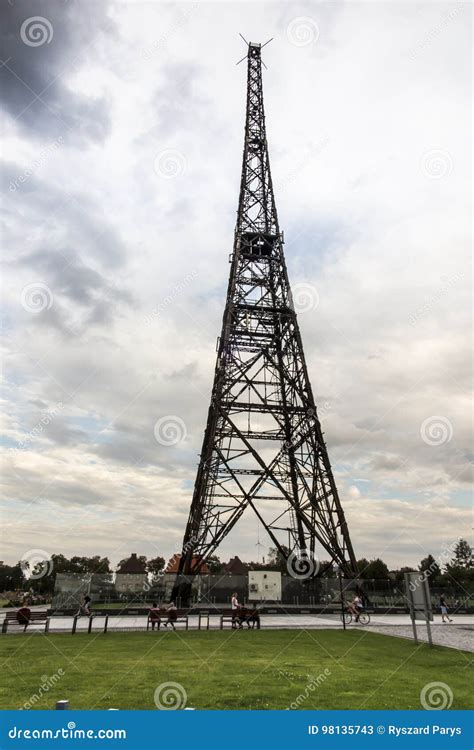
(263, 448)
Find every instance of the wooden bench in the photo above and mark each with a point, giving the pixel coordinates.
(32, 617)
(181, 615)
(238, 617)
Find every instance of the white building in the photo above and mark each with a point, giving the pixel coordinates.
(131, 576)
(264, 586)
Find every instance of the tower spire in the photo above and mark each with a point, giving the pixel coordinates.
(263, 448)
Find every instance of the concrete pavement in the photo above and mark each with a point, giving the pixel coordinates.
(459, 634)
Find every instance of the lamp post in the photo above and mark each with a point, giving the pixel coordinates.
(339, 575)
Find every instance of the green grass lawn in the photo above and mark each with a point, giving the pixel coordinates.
(233, 670)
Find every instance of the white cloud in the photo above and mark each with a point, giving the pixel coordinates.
(352, 120)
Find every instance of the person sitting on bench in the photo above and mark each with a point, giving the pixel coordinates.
(250, 616)
(244, 615)
(23, 616)
(154, 616)
(172, 615)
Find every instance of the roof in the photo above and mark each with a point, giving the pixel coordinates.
(235, 566)
(173, 565)
(132, 565)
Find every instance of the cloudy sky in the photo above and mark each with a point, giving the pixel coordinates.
(122, 142)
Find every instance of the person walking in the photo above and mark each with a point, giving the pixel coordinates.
(236, 621)
(444, 609)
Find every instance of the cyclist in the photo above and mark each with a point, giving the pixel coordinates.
(356, 606)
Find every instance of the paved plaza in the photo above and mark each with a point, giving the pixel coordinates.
(459, 634)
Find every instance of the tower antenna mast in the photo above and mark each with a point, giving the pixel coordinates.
(263, 449)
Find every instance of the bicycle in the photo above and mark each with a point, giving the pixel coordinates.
(348, 617)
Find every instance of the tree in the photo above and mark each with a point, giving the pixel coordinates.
(255, 565)
(400, 574)
(60, 564)
(327, 569)
(460, 570)
(214, 564)
(38, 575)
(373, 569)
(462, 555)
(363, 564)
(429, 566)
(12, 577)
(43, 577)
(156, 565)
(87, 566)
(278, 560)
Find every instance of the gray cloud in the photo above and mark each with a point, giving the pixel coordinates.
(66, 219)
(82, 296)
(34, 90)
(177, 103)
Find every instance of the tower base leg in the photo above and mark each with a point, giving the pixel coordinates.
(181, 593)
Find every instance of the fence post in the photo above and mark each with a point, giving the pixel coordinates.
(106, 623)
